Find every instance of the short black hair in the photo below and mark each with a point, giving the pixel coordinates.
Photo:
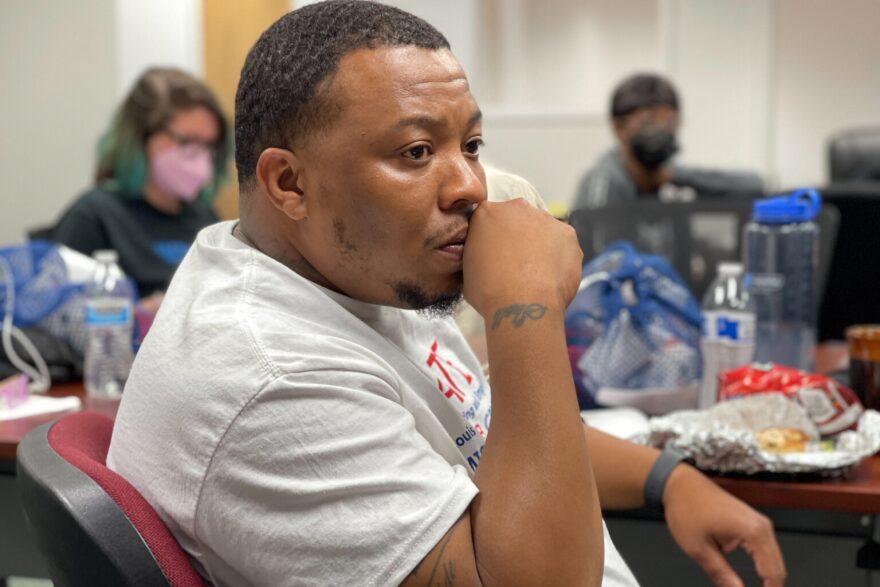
(278, 102)
(642, 90)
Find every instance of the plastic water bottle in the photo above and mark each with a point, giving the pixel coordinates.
(782, 259)
(728, 337)
(109, 322)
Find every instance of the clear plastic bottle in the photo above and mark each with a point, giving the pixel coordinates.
(728, 338)
(109, 323)
(782, 258)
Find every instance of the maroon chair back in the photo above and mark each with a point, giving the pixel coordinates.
(92, 525)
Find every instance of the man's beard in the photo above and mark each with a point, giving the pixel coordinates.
(429, 305)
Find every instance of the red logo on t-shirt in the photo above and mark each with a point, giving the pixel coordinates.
(448, 373)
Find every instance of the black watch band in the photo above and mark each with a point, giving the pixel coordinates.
(660, 471)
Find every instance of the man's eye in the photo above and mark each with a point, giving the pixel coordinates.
(473, 147)
(417, 153)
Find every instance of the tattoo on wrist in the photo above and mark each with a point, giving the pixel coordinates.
(519, 313)
(449, 574)
(448, 566)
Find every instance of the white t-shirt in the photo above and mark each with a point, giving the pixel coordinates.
(289, 435)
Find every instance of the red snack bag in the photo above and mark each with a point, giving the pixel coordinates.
(832, 407)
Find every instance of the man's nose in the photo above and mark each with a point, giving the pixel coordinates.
(463, 184)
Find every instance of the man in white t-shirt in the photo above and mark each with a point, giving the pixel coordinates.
(303, 410)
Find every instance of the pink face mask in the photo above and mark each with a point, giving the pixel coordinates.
(181, 173)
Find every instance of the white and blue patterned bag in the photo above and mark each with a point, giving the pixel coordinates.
(633, 333)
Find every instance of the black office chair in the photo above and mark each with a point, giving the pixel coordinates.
(854, 155)
(694, 236)
(853, 284)
(93, 527)
(854, 278)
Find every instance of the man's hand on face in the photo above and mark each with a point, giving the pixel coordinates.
(516, 254)
(707, 522)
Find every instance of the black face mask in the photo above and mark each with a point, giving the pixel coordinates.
(653, 147)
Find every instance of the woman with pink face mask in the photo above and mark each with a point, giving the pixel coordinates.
(159, 166)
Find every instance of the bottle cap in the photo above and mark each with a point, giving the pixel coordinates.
(730, 268)
(105, 256)
(799, 206)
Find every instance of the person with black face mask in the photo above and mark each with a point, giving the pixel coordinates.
(652, 147)
(645, 117)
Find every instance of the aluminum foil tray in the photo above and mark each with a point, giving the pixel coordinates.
(721, 439)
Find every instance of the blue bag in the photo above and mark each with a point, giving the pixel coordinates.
(41, 311)
(633, 333)
(39, 279)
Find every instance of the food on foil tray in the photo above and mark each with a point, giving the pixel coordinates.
(782, 439)
(831, 406)
(763, 432)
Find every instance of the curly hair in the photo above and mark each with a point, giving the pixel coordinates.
(159, 94)
(642, 90)
(280, 99)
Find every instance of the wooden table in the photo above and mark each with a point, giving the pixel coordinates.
(858, 492)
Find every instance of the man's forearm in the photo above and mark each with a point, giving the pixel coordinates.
(537, 498)
(705, 521)
(620, 468)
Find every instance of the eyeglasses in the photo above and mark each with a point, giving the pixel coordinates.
(191, 146)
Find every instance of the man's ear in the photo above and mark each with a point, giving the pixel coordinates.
(278, 175)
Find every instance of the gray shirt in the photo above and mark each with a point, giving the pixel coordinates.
(606, 182)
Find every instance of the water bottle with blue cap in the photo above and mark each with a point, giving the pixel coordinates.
(782, 258)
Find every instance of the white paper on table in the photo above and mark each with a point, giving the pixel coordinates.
(41, 404)
(654, 401)
(627, 423)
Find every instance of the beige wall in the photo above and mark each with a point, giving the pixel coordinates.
(764, 82)
(57, 90)
(827, 78)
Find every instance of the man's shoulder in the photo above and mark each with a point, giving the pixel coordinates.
(201, 212)
(95, 202)
(503, 186)
(88, 222)
(103, 197)
(219, 346)
(609, 165)
(605, 182)
(241, 302)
